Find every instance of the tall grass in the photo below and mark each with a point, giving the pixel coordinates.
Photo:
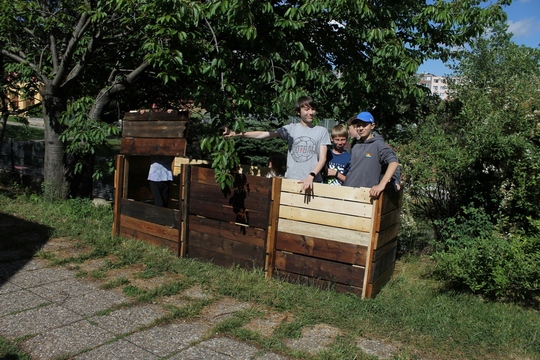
(413, 310)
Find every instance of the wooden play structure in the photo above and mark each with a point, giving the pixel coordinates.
(334, 237)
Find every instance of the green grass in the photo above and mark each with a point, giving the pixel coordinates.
(413, 310)
(23, 132)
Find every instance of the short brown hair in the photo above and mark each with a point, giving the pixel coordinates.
(303, 101)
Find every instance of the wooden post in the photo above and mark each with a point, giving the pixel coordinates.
(375, 225)
(184, 208)
(118, 191)
(273, 220)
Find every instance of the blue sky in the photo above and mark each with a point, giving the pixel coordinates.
(524, 23)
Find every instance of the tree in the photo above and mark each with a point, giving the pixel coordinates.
(233, 58)
(481, 150)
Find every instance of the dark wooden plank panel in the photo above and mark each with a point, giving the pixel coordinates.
(154, 146)
(154, 129)
(159, 231)
(257, 184)
(228, 213)
(321, 284)
(149, 239)
(251, 200)
(318, 268)
(157, 115)
(378, 253)
(227, 247)
(322, 248)
(389, 219)
(218, 258)
(387, 235)
(247, 235)
(391, 200)
(388, 259)
(373, 289)
(150, 213)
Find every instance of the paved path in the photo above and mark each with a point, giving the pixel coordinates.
(61, 316)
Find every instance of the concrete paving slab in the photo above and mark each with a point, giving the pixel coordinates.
(7, 287)
(66, 341)
(36, 321)
(41, 276)
(90, 303)
(127, 320)
(8, 269)
(118, 350)
(200, 352)
(19, 300)
(231, 347)
(59, 291)
(166, 339)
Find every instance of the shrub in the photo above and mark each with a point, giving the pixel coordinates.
(494, 266)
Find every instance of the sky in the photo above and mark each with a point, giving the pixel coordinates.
(524, 23)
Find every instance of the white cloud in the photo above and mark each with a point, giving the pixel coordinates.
(522, 28)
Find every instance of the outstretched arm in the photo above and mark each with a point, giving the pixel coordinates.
(251, 134)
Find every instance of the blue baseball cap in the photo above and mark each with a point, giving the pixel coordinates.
(365, 117)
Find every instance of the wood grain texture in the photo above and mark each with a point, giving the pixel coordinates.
(154, 129)
(321, 284)
(387, 259)
(329, 191)
(148, 238)
(320, 269)
(374, 288)
(159, 231)
(327, 205)
(153, 146)
(324, 232)
(308, 217)
(224, 230)
(151, 213)
(322, 248)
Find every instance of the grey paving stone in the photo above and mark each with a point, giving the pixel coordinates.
(126, 320)
(90, 303)
(8, 269)
(231, 347)
(31, 278)
(7, 287)
(18, 301)
(59, 291)
(36, 320)
(222, 348)
(118, 350)
(66, 341)
(314, 339)
(166, 339)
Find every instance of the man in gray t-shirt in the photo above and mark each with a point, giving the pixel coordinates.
(306, 156)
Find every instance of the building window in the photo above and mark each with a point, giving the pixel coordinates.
(436, 88)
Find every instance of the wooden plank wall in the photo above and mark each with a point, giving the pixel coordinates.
(228, 227)
(323, 238)
(384, 241)
(154, 133)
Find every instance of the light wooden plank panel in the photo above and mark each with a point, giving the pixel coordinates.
(331, 191)
(325, 218)
(325, 232)
(337, 206)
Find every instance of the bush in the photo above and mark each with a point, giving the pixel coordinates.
(494, 266)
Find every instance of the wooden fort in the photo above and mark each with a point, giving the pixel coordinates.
(334, 237)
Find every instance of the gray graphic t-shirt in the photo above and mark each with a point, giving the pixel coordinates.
(304, 146)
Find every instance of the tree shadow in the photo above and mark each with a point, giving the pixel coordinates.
(19, 242)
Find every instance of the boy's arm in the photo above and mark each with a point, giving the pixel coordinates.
(378, 189)
(307, 183)
(251, 134)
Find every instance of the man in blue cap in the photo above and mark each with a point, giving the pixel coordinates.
(373, 162)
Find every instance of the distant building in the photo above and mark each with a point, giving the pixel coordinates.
(437, 84)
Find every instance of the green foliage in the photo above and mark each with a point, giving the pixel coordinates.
(495, 266)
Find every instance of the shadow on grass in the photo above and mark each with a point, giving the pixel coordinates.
(19, 241)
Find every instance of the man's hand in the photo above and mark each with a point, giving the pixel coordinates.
(376, 190)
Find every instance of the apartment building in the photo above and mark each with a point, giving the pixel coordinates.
(437, 84)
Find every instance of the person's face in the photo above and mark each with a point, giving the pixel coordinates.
(352, 132)
(307, 114)
(363, 129)
(339, 142)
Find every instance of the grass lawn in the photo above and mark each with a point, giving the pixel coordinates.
(413, 311)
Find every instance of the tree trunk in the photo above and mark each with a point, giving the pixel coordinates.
(55, 184)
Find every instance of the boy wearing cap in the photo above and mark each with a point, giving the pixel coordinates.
(373, 162)
(306, 156)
